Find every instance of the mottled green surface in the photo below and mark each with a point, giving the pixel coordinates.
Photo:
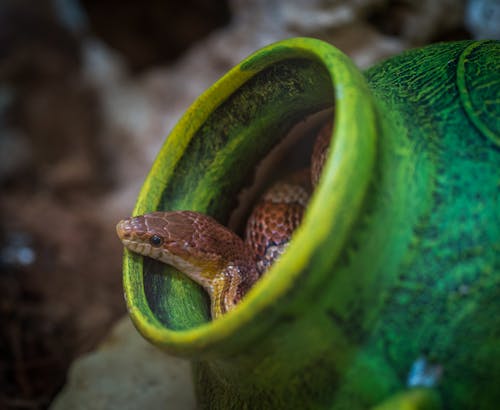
(412, 399)
(397, 257)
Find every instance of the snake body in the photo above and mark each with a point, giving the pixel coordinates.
(225, 265)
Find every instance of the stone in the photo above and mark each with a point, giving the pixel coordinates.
(482, 18)
(127, 373)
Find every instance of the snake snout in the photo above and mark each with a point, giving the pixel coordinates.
(132, 228)
(124, 229)
(127, 232)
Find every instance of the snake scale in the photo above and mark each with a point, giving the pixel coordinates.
(213, 256)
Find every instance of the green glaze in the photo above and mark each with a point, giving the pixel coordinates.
(397, 256)
(412, 399)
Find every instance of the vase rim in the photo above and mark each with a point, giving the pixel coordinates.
(347, 173)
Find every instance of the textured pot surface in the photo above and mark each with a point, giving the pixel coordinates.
(396, 259)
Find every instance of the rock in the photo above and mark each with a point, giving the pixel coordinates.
(126, 372)
(15, 154)
(482, 18)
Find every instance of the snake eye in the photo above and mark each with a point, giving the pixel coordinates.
(156, 240)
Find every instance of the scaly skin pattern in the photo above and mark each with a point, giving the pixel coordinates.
(276, 216)
(215, 257)
(196, 244)
(320, 151)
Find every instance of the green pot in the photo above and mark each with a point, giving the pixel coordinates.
(397, 257)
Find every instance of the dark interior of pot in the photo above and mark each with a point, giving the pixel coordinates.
(220, 161)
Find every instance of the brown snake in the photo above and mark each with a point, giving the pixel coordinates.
(215, 257)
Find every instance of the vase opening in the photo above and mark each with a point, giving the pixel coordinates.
(216, 161)
(269, 118)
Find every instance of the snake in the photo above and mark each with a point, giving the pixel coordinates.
(225, 265)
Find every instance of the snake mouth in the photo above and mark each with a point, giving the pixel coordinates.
(131, 232)
(212, 154)
(124, 230)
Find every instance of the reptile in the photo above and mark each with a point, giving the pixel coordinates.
(215, 257)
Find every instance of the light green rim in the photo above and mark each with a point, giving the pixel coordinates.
(346, 175)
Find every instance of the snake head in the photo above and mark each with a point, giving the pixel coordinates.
(193, 243)
(144, 234)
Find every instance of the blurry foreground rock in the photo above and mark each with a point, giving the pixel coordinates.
(127, 373)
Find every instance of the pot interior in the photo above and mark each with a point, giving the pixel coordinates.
(218, 161)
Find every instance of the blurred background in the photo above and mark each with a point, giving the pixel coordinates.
(88, 91)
